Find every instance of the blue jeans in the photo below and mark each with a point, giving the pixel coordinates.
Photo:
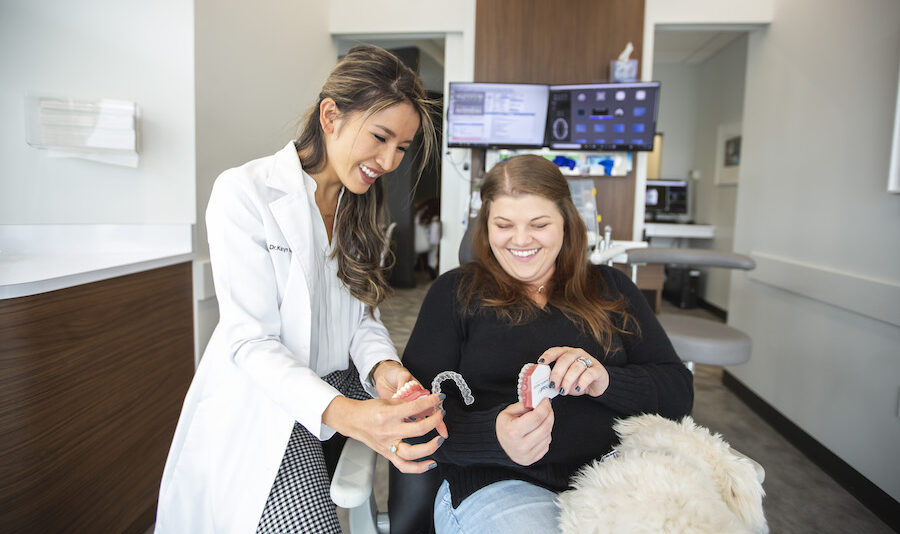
(510, 506)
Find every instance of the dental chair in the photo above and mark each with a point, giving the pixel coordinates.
(698, 340)
(411, 497)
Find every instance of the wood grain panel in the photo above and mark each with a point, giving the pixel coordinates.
(615, 204)
(650, 280)
(92, 379)
(564, 41)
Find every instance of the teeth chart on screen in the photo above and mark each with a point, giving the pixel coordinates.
(618, 116)
(598, 116)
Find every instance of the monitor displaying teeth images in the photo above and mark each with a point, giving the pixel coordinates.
(603, 116)
(496, 115)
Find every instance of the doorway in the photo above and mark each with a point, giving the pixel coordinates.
(702, 74)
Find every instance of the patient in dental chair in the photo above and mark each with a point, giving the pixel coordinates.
(530, 296)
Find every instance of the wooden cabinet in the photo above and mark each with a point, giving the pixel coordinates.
(92, 379)
(650, 280)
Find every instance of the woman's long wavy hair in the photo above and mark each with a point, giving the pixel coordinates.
(574, 287)
(366, 80)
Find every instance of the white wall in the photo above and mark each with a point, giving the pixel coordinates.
(721, 91)
(92, 49)
(259, 67)
(821, 87)
(679, 102)
(410, 17)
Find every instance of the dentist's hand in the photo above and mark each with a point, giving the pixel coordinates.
(525, 434)
(389, 376)
(379, 424)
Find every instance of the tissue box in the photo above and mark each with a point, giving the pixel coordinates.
(623, 71)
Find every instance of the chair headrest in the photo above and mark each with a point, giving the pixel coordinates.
(693, 257)
(465, 245)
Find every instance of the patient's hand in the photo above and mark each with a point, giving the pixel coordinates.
(525, 434)
(575, 372)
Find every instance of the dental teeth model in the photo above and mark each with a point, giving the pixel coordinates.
(534, 385)
(413, 390)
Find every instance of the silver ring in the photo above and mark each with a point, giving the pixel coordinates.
(586, 361)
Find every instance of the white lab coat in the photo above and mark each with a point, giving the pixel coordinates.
(253, 381)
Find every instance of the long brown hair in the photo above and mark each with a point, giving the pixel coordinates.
(573, 286)
(366, 80)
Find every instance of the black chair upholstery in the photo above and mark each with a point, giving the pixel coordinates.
(411, 501)
(465, 246)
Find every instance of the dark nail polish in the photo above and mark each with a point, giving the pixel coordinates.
(552, 384)
(440, 440)
(562, 391)
(431, 466)
(412, 418)
(577, 388)
(443, 412)
(541, 360)
(442, 396)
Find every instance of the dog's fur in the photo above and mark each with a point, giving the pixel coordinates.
(666, 477)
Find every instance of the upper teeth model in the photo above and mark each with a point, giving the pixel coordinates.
(523, 253)
(369, 172)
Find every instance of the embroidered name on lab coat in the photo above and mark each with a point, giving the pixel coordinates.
(279, 248)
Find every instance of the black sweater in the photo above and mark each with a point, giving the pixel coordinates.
(645, 376)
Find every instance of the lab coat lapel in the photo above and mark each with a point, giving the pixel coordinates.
(292, 211)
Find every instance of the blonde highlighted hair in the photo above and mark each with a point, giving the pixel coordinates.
(366, 80)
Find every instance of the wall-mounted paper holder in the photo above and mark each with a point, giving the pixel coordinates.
(104, 130)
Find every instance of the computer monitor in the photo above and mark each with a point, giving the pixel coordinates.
(496, 115)
(667, 200)
(603, 116)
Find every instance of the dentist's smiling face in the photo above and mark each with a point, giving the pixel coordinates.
(361, 148)
(526, 234)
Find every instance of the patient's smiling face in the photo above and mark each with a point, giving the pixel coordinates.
(526, 233)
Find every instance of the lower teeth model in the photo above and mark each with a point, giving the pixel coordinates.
(534, 385)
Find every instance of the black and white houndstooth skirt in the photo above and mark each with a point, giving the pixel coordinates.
(299, 501)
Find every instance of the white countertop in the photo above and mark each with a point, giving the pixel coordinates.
(39, 258)
(691, 231)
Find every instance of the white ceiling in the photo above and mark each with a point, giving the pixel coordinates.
(690, 47)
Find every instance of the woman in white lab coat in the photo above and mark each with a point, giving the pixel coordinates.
(295, 243)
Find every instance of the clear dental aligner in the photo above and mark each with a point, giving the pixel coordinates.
(460, 383)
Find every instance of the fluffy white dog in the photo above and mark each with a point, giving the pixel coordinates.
(665, 477)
